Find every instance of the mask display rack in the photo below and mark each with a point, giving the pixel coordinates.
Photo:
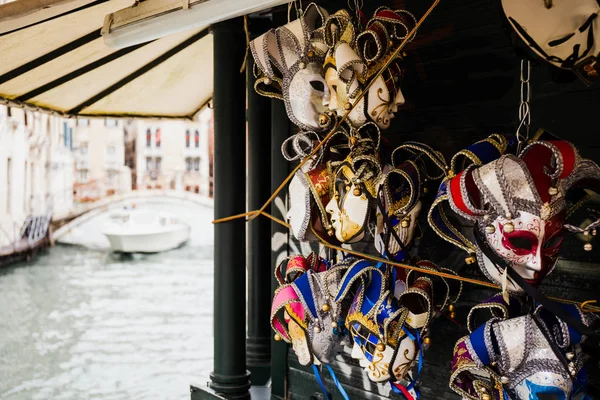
(508, 200)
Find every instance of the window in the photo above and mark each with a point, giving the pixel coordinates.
(197, 164)
(111, 123)
(111, 178)
(187, 138)
(111, 150)
(188, 164)
(148, 164)
(83, 173)
(65, 130)
(158, 164)
(148, 138)
(158, 137)
(83, 122)
(71, 139)
(83, 148)
(197, 138)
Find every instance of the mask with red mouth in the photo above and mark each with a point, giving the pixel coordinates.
(519, 205)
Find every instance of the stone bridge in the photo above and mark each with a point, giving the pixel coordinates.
(63, 223)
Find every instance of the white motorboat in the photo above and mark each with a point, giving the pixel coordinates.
(138, 231)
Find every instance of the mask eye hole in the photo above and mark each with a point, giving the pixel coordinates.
(522, 243)
(318, 86)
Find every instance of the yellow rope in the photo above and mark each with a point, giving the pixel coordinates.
(254, 212)
(585, 306)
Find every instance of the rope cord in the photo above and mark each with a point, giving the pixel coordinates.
(585, 306)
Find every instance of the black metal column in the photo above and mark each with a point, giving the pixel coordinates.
(230, 376)
(280, 130)
(259, 229)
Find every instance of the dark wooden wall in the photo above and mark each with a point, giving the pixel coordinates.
(465, 86)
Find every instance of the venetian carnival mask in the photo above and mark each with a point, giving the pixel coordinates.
(352, 62)
(290, 60)
(386, 351)
(400, 192)
(311, 317)
(566, 33)
(386, 331)
(355, 185)
(531, 357)
(309, 191)
(519, 207)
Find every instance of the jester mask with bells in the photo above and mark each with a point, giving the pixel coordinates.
(386, 331)
(355, 185)
(313, 323)
(519, 205)
(531, 357)
(353, 61)
(290, 60)
(309, 191)
(565, 33)
(401, 187)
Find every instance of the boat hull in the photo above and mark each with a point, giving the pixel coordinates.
(148, 242)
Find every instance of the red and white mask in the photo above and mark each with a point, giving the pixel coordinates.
(519, 206)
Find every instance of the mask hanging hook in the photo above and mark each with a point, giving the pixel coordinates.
(524, 108)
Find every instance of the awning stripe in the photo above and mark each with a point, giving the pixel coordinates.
(140, 71)
(83, 7)
(80, 71)
(50, 56)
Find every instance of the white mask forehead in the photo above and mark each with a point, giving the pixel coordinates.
(304, 96)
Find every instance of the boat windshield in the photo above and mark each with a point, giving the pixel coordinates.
(144, 219)
(120, 218)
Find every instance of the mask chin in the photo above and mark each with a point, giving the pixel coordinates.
(306, 93)
(300, 344)
(298, 214)
(378, 368)
(490, 270)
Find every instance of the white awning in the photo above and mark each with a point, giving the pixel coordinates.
(53, 58)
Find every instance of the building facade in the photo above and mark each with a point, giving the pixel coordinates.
(173, 154)
(99, 149)
(36, 168)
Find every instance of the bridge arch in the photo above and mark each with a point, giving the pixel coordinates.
(63, 224)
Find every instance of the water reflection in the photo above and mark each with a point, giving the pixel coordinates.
(81, 323)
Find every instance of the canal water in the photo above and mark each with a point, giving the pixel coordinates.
(80, 322)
